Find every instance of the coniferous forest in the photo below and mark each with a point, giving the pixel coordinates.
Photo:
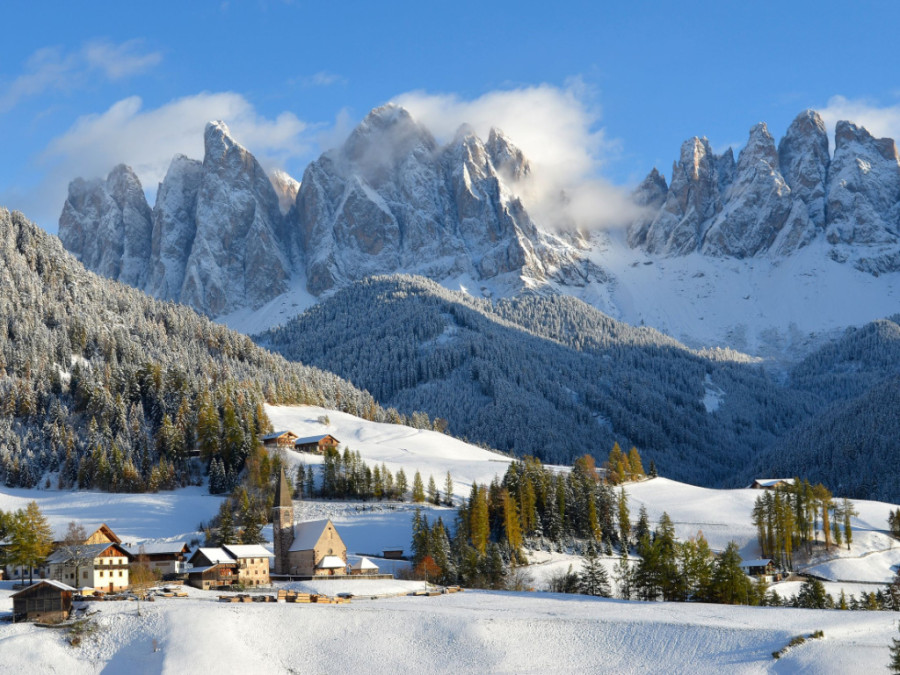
(110, 389)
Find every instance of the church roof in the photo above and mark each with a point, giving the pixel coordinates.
(330, 562)
(283, 492)
(307, 534)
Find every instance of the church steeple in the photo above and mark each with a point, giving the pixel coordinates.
(282, 525)
(283, 492)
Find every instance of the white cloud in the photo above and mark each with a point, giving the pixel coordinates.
(557, 130)
(119, 61)
(880, 120)
(146, 140)
(50, 68)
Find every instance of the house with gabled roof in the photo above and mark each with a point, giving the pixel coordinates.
(279, 439)
(317, 444)
(167, 557)
(229, 564)
(102, 566)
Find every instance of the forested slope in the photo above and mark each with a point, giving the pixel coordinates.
(545, 375)
(114, 389)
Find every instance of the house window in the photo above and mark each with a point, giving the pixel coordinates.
(120, 572)
(101, 573)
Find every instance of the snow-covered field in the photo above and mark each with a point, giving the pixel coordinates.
(763, 306)
(471, 632)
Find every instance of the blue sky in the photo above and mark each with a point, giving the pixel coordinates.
(591, 89)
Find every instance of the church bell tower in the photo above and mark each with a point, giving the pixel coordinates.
(282, 525)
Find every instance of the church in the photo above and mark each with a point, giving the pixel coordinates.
(307, 549)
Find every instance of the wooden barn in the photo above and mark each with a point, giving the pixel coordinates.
(279, 439)
(213, 576)
(771, 483)
(47, 601)
(316, 444)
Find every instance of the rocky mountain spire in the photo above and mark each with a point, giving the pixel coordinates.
(758, 205)
(108, 225)
(863, 188)
(803, 157)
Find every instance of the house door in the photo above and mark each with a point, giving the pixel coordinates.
(110, 587)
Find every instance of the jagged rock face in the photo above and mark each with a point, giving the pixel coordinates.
(286, 188)
(758, 205)
(108, 225)
(863, 202)
(693, 198)
(650, 195)
(803, 156)
(777, 202)
(239, 256)
(390, 199)
(174, 227)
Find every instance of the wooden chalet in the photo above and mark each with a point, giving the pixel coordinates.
(763, 569)
(165, 558)
(214, 576)
(771, 483)
(47, 601)
(316, 444)
(279, 439)
(103, 535)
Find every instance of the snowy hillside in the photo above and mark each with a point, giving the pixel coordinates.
(471, 632)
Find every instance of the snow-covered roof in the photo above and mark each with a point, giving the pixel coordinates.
(248, 551)
(52, 582)
(194, 570)
(61, 555)
(364, 564)
(762, 562)
(214, 555)
(307, 534)
(156, 548)
(276, 434)
(330, 562)
(772, 482)
(312, 439)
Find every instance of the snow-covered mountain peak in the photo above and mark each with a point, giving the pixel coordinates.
(286, 187)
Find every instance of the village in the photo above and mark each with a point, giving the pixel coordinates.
(99, 566)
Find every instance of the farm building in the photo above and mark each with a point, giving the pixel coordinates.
(165, 557)
(363, 567)
(304, 549)
(771, 483)
(47, 601)
(103, 566)
(235, 564)
(252, 563)
(316, 444)
(212, 576)
(279, 439)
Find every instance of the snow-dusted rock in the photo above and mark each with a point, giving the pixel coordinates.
(108, 225)
(650, 195)
(758, 205)
(693, 198)
(390, 199)
(286, 187)
(174, 227)
(803, 157)
(863, 202)
(240, 256)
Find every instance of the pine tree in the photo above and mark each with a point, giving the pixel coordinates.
(433, 495)
(624, 518)
(634, 463)
(812, 595)
(624, 577)
(402, 485)
(418, 490)
(448, 490)
(730, 585)
(895, 655)
(479, 522)
(593, 579)
(226, 534)
(251, 529)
